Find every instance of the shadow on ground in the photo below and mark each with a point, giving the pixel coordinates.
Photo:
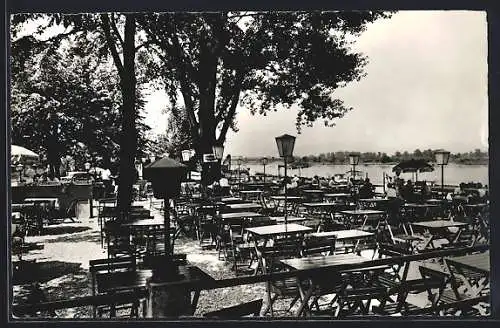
(61, 230)
(91, 236)
(27, 272)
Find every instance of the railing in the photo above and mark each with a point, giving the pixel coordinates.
(125, 297)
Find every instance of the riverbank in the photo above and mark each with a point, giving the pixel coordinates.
(454, 174)
(280, 161)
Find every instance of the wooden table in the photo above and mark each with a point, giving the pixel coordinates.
(243, 206)
(39, 210)
(118, 281)
(439, 229)
(251, 194)
(476, 263)
(336, 196)
(419, 211)
(475, 209)
(373, 202)
(279, 201)
(313, 195)
(353, 217)
(346, 235)
(313, 191)
(54, 202)
(262, 235)
(270, 231)
(239, 215)
(329, 261)
(288, 198)
(144, 223)
(231, 200)
(437, 201)
(338, 187)
(290, 219)
(321, 205)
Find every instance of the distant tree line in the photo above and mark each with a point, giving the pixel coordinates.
(341, 157)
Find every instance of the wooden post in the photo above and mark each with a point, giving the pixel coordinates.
(166, 218)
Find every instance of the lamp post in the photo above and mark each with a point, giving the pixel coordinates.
(163, 301)
(238, 162)
(354, 160)
(19, 169)
(166, 176)
(186, 157)
(218, 150)
(87, 166)
(442, 158)
(264, 163)
(285, 145)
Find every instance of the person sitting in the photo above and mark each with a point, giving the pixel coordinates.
(366, 190)
(407, 191)
(332, 182)
(291, 186)
(315, 181)
(225, 187)
(425, 191)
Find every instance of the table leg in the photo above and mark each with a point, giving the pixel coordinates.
(453, 279)
(304, 296)
(428, 241)
(194, 302)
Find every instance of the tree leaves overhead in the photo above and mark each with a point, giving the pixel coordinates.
(67, 83)
(68, 96)
(262, 61)
(210, 64)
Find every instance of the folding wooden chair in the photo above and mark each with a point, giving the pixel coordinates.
(284, 248)
(112, 265)
(448, 291)
(118, 240)
(357, 301)
(318, 246)
(390, 279)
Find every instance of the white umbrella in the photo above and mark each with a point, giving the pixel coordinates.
(22, 152)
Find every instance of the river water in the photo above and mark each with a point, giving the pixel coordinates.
(454, 174)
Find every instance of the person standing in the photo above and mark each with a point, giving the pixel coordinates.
(106, 180)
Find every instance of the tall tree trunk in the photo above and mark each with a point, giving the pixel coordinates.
(128, 140)
(207, 85)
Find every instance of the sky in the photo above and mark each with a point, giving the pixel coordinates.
(426, 87)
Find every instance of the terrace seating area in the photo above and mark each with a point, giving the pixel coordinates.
(321, 252)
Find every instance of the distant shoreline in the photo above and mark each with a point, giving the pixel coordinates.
(257, 161)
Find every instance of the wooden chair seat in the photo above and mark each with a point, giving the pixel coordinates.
(388, 280)
(354, 300)
(406, 238)
(285, 287)
(448, 296)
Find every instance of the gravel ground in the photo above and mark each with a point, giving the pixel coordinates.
(62, 256)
